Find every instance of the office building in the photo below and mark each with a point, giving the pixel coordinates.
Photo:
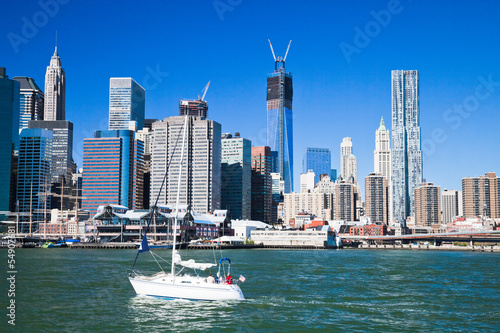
(345, 152)
(31, 101)
(382, 153)
(201, 175)
(307, 181)
(112, 170)
(9, 138)
(351, 169)
(451, 201)
(376, 195)
(277, 190)
(280, 122)
(62, 147)
(407, 166)
(481, 196)
(345, 198)
(333, 174)
(261, 207)
(126, 104)
(55, 90)
(319, 160)
(316, 204)
(427, 205)
(236, 176)
(34, 176)
(197, 108)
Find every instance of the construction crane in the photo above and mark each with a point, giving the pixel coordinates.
(204, 91)
(279, 59)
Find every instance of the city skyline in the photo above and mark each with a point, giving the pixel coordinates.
(445, 80)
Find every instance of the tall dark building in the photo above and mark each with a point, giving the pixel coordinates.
(261, 184)
(280, 119)
(193, 108)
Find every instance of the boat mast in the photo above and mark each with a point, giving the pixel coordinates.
(177, 199)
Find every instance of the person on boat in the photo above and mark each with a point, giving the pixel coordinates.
(229, 279)
(210, 278)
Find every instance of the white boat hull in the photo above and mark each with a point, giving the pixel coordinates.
(185, 287)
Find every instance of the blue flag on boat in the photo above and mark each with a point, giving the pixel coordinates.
(144, 247)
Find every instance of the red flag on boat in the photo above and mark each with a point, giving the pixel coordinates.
(242, 278)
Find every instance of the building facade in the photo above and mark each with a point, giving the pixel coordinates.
(278, 189)
(345, 151)
(481, 196)
(280, 123)
(31, 101)
(112, 170)
(307, 181)
(376, 195)
(313, 203)
(236, 176)
(345, 198)
(318, 160)
(451, 201)
(34, 176)
(196, 108)
(62, 147)
(427, 205)
(201, 175)
(126, 104)
(261, 185)
(382, 153)
(9, 137)
(55, 90)
(407, 165)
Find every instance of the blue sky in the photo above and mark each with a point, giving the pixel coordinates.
(453, 44)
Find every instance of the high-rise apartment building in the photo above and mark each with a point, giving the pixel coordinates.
(345, 152)
(62, 147)
(277, 190)
(351, 170)
(31, 101)
(307, 182)
(197, 108)
(427, 205)
(376, 195)
(126, 104)
(280, 121)
(34, 173)
(201, 175)
(382, 153)
(9, 137)
(112, 170)
(345, 198)
(236, 176)
(451, 201)
(319, 160)
(407, 166)
(312, 203)
(261, 185)
(481, 196)
(55, 90)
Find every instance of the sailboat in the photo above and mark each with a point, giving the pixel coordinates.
(173, 285)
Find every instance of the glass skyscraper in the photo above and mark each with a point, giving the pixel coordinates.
(280, 123)
(9, 134)
(318, 160)
(407, 166)
(31, 101)
(126, 104)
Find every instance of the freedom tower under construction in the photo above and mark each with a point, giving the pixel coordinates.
(280, 120)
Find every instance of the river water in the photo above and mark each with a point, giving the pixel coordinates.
(65, 290)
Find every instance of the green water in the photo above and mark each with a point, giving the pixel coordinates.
(64, 290)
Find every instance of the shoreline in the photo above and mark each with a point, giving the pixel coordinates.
(429, 247)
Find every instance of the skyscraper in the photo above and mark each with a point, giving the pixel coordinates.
(126, 104)
(382, 153)
(112, 170)
(31, 101)
(9, 136)
(62, 147)
(427, 205)
(201, 176)
(318, 160)
(451, 204)
(345, 198)
(35, 159)
(407, 166)
(261, 184)
(193, 108)
(345, 152)
(280, 120)
(376, 195)
(481, 196)
(236, 176)
(55, 90)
